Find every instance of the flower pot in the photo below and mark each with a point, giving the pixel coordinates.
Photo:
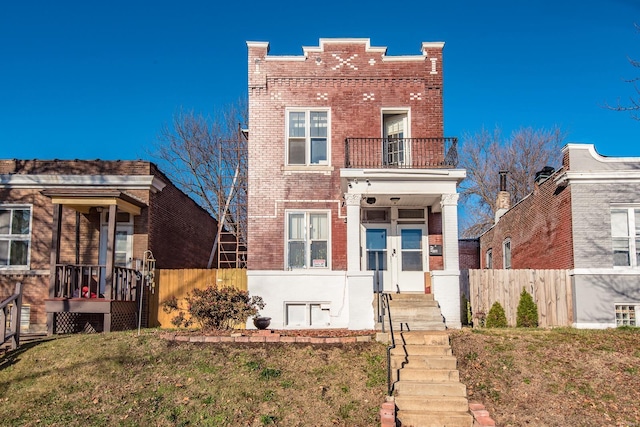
(261, 322)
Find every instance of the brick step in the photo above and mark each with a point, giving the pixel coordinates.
(426, 388)
(435, 419)
(422, 350)
(424, 361)
(432, 403)
(408, 373)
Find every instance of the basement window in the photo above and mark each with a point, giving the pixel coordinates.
(307, 315)
(626, 315)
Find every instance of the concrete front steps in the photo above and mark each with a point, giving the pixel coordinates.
(415, 312)
(428, 391)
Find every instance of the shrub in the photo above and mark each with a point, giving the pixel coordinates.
(527, 316)
(496, 317)
(215, 308)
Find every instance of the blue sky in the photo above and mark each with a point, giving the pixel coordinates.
(87, 80)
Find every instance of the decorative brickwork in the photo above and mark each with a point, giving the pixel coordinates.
(354, 81)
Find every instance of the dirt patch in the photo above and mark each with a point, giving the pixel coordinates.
(560, 377)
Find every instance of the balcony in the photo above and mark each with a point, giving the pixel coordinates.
(408, 153)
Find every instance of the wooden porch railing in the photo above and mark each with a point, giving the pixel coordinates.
(83, 281)
(11, 307)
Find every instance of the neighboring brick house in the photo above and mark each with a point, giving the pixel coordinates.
(56, 237)
(584, 217)
(349, 171)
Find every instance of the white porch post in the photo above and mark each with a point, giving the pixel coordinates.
(449, 205)
(447, 282)
(360, 283)
(353, 230)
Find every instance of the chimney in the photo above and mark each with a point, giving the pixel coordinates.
(503, 201)
(543, 174)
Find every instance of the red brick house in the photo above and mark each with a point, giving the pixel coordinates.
(349, 173)
(67, 225)
(584, 217)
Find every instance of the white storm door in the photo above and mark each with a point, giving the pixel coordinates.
(409, 261)
(376, 254)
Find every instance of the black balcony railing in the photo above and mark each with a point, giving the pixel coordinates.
(416, 153)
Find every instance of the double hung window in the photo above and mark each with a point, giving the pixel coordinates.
(15, 236)
(307, 137)
(625, 236)
(506, 254)
(307, 240)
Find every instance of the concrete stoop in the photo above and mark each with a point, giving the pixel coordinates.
(415, 312)
(428, 392)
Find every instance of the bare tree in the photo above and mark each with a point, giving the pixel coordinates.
(633, 104)
(206, 157)
(485, 153)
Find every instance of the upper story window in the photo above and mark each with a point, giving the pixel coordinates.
(307, 239)
(15, 236)
(307, 137)
(488, 262)
(625, 236)
(506, 253)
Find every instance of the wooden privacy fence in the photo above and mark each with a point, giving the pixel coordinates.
(551, 290)
(178, 283)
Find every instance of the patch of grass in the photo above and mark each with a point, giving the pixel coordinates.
(121, 380)
(572, 376)
(344, 411)
(266, 420)
(269, 373)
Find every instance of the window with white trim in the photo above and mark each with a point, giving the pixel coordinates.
(302, 314)
(488, 263)
(506, 254)
(626, 315)
(307, 137)
(15, 236)
(307, 239)
(625, 236)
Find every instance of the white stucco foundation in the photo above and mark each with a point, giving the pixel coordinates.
(446, 290)
(348, 298)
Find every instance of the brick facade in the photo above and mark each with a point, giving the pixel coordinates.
(178, 231)
(540, 230)
(355, 82)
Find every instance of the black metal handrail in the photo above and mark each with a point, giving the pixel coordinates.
(386, 309)
(416, 153)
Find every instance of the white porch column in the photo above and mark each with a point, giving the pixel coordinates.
(449, 205)
(446, 282)
(353, 230)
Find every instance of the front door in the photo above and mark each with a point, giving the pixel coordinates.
(396, 253)
(409, 262)
(376, 255)
(123, 247)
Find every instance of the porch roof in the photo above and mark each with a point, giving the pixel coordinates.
(82, 199)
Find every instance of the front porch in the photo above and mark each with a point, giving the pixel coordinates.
(89, 296)
(402, 224)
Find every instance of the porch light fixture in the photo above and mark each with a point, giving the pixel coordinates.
(371, 200)
(395, 199)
